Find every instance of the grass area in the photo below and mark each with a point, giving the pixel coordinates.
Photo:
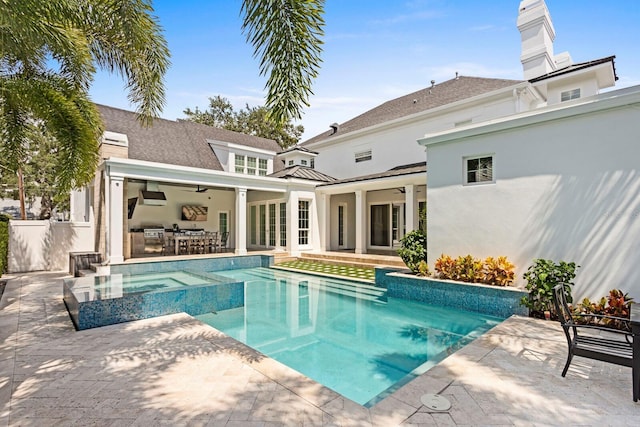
(363, 273)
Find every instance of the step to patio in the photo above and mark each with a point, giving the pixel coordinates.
(353, 260)
(86, 273)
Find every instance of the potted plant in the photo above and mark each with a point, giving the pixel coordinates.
(542, 276)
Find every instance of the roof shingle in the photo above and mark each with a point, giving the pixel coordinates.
(434, 96)
(181, 142)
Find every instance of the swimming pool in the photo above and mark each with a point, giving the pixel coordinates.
(349, 337)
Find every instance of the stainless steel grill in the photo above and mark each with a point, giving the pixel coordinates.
(153, 240)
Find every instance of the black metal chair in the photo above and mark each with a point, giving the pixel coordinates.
(588, 337)
(223, 241)
(211, 239)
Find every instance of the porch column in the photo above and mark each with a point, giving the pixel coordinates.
(116, 219)
(324, 202)
(292, 224)
(241, 221)
(361, 222)
(410, 208)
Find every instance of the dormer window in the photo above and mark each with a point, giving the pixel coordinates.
(239, 163)
(313, 163)
(262, 167)
(303, 162)
(290, 162)
(568, 95)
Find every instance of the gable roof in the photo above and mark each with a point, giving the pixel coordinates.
(431, 97)
(181, 142)
(302, 172)
(579, 66)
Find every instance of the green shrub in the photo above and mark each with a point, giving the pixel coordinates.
(413, 249)
(542, 276)
(4, 242)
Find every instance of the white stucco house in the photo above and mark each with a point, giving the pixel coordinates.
(538, 167)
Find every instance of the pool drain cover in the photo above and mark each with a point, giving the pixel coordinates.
(435, 402)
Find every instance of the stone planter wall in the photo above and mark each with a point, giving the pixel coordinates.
(491, 300)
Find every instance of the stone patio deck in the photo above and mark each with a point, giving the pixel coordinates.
(176, 371)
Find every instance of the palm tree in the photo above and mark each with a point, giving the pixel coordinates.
(49, 52)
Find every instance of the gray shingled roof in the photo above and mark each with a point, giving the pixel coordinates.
(302, 172)
(180, 142)
(441, 94)
(409, 169)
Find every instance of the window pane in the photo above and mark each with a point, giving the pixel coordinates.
(480, 169)
(380, 225)
(283, 224)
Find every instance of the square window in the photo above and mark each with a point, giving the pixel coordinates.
(479, 170)
(239, 163)
(569, 95)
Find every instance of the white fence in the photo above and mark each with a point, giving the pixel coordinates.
(45, 245)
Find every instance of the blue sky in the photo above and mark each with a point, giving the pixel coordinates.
(376, 50)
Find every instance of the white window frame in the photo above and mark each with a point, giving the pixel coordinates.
(240, 166)
(263, 167)
(465, 167)
(252, 165)
(304, 233)
(228, 215)
(568, 95)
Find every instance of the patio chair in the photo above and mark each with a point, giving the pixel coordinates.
(211, 241)
(182, 242)
(223, 241)
(168, 245)
(588, 337)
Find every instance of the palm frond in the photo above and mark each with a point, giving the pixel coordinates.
(286, 35)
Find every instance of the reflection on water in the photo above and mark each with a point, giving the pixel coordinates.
(349, 337)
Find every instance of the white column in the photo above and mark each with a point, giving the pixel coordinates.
(324, 203)
(361, 222)
(292, 224)
(410, 208)
(116, 219)
(241, 221)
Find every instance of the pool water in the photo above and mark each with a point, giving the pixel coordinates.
(117, 285)
(349, 337)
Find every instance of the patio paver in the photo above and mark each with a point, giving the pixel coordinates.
(174, 370)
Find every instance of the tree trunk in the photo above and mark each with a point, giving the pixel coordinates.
(23, 212)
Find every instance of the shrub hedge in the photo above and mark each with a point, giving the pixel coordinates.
(4, 242)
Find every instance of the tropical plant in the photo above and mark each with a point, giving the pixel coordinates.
(423, 269)
(446, 267)
(469, 269)
(413, 249)
(617, 305)
(498, 271)
(542, 276)
(48, 57)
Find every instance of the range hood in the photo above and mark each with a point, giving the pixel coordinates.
(152, 196)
